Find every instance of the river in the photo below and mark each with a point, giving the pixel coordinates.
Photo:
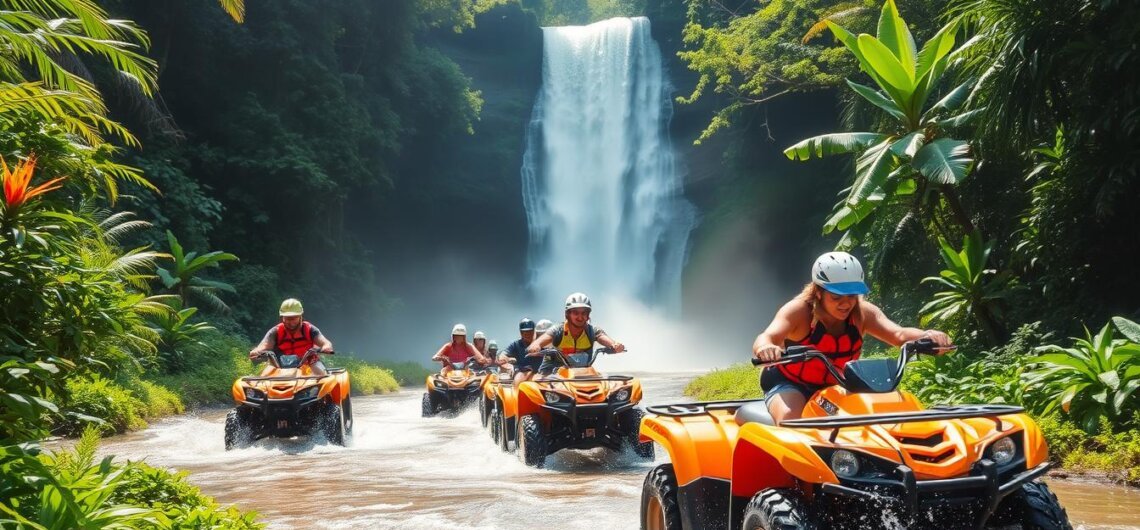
(404, 471)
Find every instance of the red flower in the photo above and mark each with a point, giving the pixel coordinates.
(16, 181)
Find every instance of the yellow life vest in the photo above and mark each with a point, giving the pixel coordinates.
(569, 344)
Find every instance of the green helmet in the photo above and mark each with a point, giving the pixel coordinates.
(291, 308)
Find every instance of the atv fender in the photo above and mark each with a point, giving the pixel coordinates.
(773, 457)
(1036, 449)
(529, 400)
(509, 400)
(698, 447)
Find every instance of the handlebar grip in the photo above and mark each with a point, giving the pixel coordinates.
(756, 362)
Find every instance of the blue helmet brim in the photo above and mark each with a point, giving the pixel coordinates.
(846, 288)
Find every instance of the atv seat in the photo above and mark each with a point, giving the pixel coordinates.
(754, 412)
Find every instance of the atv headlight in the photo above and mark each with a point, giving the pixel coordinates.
(1003, 451)
(844, 463)
(552, 397)
(310, 392)
(622, 395)
(252, 394)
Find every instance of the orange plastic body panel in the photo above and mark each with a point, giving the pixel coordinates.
(530, 397)
(334, 387)
(757, 456)
(452, 379)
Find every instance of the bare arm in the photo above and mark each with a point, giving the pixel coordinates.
(876, 323)
(768, 345)
(541, 342)
(323, 343)
(475, 353)
(612, 344)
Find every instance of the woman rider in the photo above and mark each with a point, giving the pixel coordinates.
(830, 316)
(458, 350)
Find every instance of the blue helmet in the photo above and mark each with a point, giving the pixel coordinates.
(526, 324)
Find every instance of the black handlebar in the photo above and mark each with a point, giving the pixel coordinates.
(801, 353)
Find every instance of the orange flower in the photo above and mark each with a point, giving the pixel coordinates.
(16, 181)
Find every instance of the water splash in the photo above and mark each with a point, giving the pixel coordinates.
(600, 183)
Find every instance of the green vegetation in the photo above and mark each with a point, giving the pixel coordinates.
(739, 381)
(1004, 124)
(78, 492)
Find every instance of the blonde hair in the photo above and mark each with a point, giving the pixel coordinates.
(812, 294)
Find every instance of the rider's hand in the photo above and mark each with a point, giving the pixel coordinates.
(254, 354)
(768, 353)
(618, 347)
(533, 348)
(939, 338)
(326, 349)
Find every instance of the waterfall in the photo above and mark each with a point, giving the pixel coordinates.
(600, 185)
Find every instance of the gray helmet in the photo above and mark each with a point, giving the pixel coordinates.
(578, 300)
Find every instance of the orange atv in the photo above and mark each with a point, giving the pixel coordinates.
(452, 391)
(502, 406)
(863, 455)
(578, 409)
(288, 400)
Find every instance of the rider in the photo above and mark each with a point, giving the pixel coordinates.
(516, 352)
(294, 336)
(575, 335)
(831, 316)
(480, 341)
(458, 350)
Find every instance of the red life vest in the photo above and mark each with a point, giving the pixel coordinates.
(456, 355)
(840, 350)
(298, 344)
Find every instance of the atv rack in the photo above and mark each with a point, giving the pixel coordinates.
(253, 379)
(699, 407)
(617, 378)
(944, 412)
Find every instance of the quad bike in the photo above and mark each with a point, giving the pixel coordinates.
(580, 409)
(452, 391)
(502, 407)
(487, 390)
(863, 455)
(288, 400)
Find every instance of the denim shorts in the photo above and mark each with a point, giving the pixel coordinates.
(773, 381)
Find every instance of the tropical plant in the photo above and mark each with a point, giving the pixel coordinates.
(41, 37)
(176, 332)
(74, 492)
(957, 379)
(913, 156)
(1094, 378)
(183, 277)
(973, 292)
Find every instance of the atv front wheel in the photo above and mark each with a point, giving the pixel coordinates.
(776, 509)
(237, 430)
(504, 433)
(496, 423)
(483, 414)
(659, 508)
(1042, 509)
(332, 425)
(631, 428)
(531, 441)
(428, 408)
(348, 422)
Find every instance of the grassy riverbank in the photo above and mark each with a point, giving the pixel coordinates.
(1114, 456)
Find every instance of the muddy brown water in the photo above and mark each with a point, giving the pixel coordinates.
(404, 471)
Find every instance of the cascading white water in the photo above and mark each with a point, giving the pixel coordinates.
(600, 185)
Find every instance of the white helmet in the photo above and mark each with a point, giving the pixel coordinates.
(479, 335)
(577, 300)
(839, 273)
(459, 329)
(543, 325)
